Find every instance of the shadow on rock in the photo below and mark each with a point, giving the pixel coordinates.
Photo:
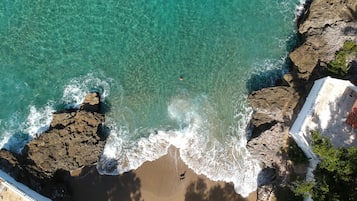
(263, 79)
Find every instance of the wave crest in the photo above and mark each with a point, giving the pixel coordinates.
(224, 159)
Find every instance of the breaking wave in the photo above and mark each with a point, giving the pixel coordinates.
(219, 157)
(15, 135)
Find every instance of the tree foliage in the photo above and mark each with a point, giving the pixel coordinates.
(340, 66)
(335, 175)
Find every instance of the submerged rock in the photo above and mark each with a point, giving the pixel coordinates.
(74, 140)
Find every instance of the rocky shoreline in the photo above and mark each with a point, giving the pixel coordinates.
(323, 29)
(76, 138)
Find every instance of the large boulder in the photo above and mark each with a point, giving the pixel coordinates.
(67, 146)
(74, 140)
(267, 146)
(272, 105)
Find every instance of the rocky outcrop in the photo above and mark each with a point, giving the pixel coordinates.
(269, 144)
(273, 113)
(272, 105)
(324, 28)
(327, 25)
(274, 109)
(74, 140)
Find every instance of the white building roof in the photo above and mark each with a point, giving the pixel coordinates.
(326, 109)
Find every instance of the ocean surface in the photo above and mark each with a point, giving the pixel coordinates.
(171, 72)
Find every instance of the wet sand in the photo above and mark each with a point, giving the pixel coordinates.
(165, 179)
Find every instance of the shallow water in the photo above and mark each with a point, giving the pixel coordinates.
(171, 72)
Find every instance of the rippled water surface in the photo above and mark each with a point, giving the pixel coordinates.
(172, 72)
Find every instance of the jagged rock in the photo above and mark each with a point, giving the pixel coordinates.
(328, 24)
(91, 103)
(267, 148)
(305, 59)
(73, 140)
(288, 80)
(327, 12)
(266, 193)
(270, 148)
(272, 105)
(8, 162)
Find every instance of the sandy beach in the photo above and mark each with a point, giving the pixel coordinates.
(165, 179)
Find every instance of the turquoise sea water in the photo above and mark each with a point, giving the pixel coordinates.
(134, 53)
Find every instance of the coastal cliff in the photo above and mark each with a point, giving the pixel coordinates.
(74, 140)
(324, 27)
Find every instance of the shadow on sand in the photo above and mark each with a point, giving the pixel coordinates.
(91, 186)
(199, 191)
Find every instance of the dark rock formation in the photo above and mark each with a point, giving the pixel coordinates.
(324, 28)
(74, 140)
(272, 105)
(269, 144)
(274, 109)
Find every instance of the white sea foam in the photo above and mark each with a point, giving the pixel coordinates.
(75, 91)
(38, 120)
(219, 159)
(265, 74)
(16, 135)
(4, 139)
(300, 9)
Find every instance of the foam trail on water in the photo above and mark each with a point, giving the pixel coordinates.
(76, 90)
(219, 159)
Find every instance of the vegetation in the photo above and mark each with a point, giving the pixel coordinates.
(340, 66)
(295, 154)
(335, 175)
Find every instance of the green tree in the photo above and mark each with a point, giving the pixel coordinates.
(335, 175)
(304, 188)
(339, 65)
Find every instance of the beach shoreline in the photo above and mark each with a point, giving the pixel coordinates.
(165, 179)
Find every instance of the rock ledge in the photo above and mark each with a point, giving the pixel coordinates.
(74, 140)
